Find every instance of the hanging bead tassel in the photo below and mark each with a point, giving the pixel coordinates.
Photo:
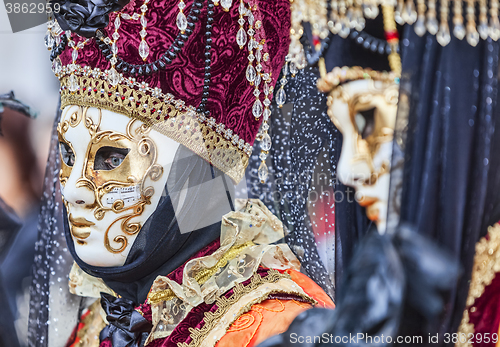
(483, 20)
(143, 46)
(443, 36)
(494, 21)
(458, 20)
(432, 23)
(241, 35)
(281, 95)
(419, 26)
(181, 20)
(472, 34)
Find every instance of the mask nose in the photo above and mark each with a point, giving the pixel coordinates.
(75, 192)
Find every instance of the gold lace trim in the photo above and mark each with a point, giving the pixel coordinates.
(168, 116)
(486, 265)
(203, 275)
(199, 336)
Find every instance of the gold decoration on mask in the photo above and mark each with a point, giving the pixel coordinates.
(138, 165)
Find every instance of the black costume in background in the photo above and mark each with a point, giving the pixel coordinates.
(451, 187)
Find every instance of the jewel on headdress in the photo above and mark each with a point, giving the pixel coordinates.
(226, 4)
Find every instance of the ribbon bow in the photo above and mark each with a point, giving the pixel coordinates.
(127, 327)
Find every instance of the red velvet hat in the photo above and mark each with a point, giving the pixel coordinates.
(200, 72)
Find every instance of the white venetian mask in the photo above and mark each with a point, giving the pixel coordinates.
(113, 172)
(365, 112)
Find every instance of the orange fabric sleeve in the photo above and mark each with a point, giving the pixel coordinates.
(272, 317)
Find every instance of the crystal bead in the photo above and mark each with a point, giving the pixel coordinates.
(135, 16)
(258, 67)
(144, 8)
(117, 22)
(113, 60)
(494, 28)
(443, 36)
(74, 55)
(241, 21)
(113, 77)
(265, 126)
(344, 28)
(266, 88)
(281, 97)
(56, 65)
(398, 13)
(49, 39)
(459, 31)
(125, 16)
(293, 69)
(181, 5)
(258, 55)
(409, 14)
(257, 108)
(267, 102)
(257, 81)
(226, 4)
(265, 143)
(181, 21)
(116, 36)
(262, 156)
(483, 30)
(251, 57)
(371, 10)
(334, 23)
(241, 37)
(72, 83)
(256, 92)
(267, 114)
(419, 26)
(114, 48)
(251, 32)
(242, 9)
(472, 37)
(144, 21)
(432, 25)
(251, 73)
(263, 172)
(143, 50)
(251, 18)
(143, 33)
(285, 69)
(107, 40)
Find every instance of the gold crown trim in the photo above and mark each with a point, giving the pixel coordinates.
(170, 117)
(340, 75)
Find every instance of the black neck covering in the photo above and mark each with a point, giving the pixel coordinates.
(161, 247)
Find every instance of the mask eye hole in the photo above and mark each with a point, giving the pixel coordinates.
(67, 155)
(109, 158)
(365, 122)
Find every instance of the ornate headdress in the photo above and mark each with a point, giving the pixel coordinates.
(199, 72)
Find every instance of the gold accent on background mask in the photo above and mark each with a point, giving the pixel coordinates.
(382, 100)
(138, 165)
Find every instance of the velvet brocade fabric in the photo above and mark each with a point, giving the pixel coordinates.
(231, 95)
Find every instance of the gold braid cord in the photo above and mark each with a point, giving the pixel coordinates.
(486, 266)
(240, 302)
(202, 276)
(166, 115)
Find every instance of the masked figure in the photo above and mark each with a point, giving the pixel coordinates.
(364, 110)
(160, 108)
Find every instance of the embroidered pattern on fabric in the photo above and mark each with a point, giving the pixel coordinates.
(202, 276)
(163, 113)
(216, 321)
(486, 265)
